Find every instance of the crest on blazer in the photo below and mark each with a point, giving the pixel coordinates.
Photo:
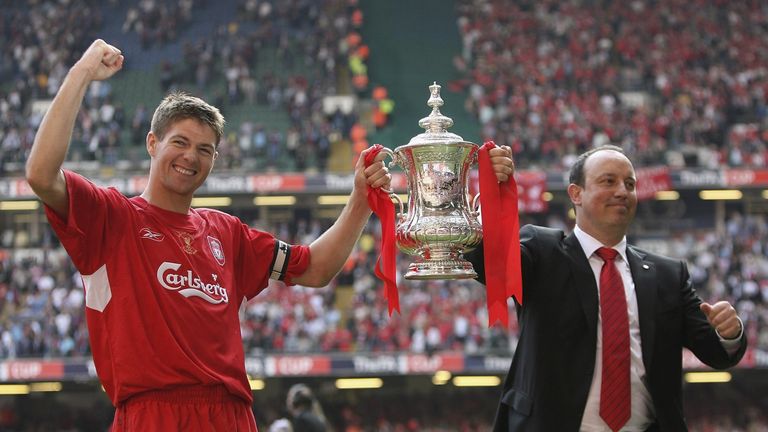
(216, 250)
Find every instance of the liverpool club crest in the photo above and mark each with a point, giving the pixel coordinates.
(216, 250)
(187, 239)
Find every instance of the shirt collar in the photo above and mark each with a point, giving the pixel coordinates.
(590, 244)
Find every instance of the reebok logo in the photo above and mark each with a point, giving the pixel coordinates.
(189, 284)
(151, 235)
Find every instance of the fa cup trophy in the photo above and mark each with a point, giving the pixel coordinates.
(440, 224)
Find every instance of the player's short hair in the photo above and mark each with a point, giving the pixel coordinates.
(577, 175)
(179, 106)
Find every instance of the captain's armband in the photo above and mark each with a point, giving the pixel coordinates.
(280, 260)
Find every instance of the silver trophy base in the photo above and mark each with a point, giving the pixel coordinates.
(440, 269)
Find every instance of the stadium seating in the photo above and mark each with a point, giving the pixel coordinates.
(674, 83)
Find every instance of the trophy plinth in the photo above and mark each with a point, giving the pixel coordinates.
(440, 225)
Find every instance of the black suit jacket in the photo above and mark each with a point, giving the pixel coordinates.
(548, 382)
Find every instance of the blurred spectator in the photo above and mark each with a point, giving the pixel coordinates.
(306, 412)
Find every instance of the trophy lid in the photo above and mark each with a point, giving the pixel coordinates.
(435, 124)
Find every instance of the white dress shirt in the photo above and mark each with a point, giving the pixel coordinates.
(642, 407)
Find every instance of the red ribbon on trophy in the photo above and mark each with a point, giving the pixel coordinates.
(501, 239)
(381, 205)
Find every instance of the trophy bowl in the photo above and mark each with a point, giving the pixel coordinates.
(440, 224)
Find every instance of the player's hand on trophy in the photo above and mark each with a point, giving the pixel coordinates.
(100, 61)
(376, 175)
(501, 159)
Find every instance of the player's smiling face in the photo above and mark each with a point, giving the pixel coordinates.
(183, 158)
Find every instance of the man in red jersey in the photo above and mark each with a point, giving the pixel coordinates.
(163, 281)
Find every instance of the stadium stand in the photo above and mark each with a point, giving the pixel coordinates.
(229, 61)
(679, 84)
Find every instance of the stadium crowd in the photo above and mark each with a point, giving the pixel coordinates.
(42, 309)
(672, 82)
(40, 43)
(307, 39)
(677, 83)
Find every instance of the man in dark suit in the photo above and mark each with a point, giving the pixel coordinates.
(556, 380)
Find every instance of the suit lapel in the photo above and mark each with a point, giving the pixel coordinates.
(584, 278)
(644, 276)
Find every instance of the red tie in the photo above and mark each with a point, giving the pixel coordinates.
(614, 391)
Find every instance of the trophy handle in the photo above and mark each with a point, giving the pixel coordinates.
(476, 205)
(389, 153)
(392, 194)
(401, 215)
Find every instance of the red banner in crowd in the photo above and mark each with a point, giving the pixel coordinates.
(31, 370)
(745, 177)
(420, 363)
(531, 186)
(276, 182)
(338, 364)
(652, 180)
(297, 365)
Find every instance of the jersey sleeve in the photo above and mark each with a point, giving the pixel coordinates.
(87, 232)
(288, 261)
(265, 257)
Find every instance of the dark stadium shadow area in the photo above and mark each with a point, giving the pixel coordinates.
(741, 404)
(402, 403)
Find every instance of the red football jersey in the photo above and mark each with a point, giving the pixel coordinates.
(163, 289)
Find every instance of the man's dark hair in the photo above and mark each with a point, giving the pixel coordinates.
(577, 170)
(179, 106)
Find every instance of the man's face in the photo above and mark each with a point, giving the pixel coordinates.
(606, 204)
(182, 160)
